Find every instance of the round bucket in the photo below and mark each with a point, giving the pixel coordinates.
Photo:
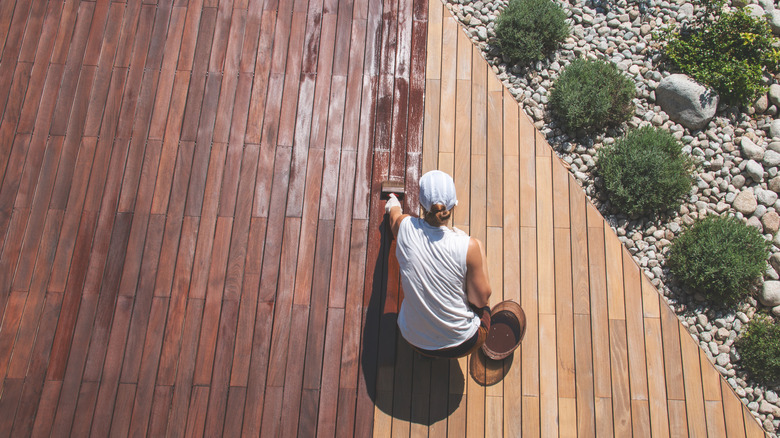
(507, 327)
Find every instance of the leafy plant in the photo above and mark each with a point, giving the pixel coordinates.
(729, 53)
(759, 349)
(645, 172)
(591, 94)
(529, 30)
(720, 258)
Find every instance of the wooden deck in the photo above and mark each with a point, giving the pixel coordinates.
(192, 241)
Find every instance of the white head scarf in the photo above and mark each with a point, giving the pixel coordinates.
(436, 187)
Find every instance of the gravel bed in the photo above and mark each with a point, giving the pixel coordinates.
(738, 154)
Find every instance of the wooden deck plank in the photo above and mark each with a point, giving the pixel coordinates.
(732, 410)
(548, 374)
(564, 317)
(544, 235)
(621, 397)
(583, 360)
(659, 421)
(598, 305)
(694, 399)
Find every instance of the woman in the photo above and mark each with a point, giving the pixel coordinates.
(445, 312)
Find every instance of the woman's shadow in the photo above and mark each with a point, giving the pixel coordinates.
(401, 382)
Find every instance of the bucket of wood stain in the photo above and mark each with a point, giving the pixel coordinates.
(507, 327)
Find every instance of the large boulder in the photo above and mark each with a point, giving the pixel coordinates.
(755, 11)
(774, 21)
(686, 101)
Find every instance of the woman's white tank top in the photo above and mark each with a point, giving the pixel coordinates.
(435, 312)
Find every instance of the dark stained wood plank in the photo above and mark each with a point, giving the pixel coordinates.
(11, 253)
(145, 389)
(97, 31)
(241, 224)
(329, 393)
(12, 391)
(34, 307)
(45, 44)
(35, 191)
(85, 408)
(196, 416)
(341, 239)
(104, 76)
(13, 174)
(234, 411)
(71, 381)
(219, 382)
(144, 293)
(262, 71)
(6, 13)
(319, 299)
(177, 419)
(272, 411)
(121, 419)
(75, 55)
(108, 395)
(46, 408)
(12, 316)
(158, 422)
(15, 103)
(275, 226)
(293, 378)
(129, 26)
(256, 388)
(71, 298)
(178, 304)
(165, 86)
(299, 166)
(207, 194)
(13, 42)
(210, 324)
(195, 94)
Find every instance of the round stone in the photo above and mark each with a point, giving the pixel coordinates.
(755, 171)
(771, 158)
(771, 222)
(745, 202)
(770, 294)
(766, 197)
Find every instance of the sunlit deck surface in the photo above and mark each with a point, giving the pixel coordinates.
(193, 242)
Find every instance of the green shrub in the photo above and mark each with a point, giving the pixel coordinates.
(729, 53)
(759, 349)
(719, 257)
(529, 30)
(591, 95)
(645, 172)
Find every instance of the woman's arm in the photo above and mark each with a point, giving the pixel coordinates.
(477, 283)
(394, 214)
